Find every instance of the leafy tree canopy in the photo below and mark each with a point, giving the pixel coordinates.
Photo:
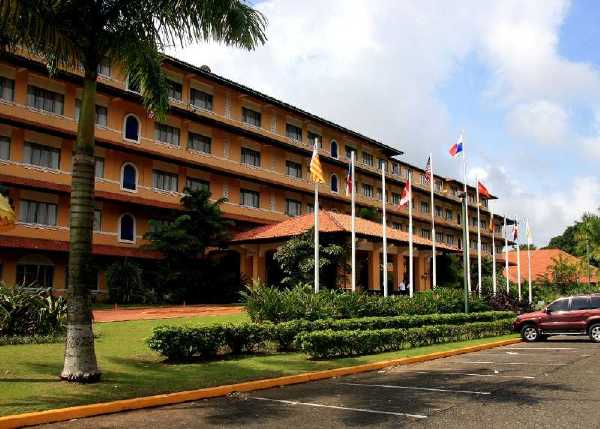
(581, 239)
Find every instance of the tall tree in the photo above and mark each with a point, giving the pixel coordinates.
(79, 35)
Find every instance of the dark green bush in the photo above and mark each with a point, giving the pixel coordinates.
(184, 343)
(247, 337)
(331, 344)
(269, 304)
(27, 313)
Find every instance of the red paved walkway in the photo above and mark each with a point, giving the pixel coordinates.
(145, 313)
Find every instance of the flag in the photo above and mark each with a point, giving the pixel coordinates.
(316, 172)
(405, 195)
(349, 181)
(492, 224)
(457, 147)
(428, 170)
(483, 192)
(7, 214)
(515, 231)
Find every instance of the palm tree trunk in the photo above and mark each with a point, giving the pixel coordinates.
(80, 358)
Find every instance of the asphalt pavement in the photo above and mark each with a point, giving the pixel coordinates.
(547, 384)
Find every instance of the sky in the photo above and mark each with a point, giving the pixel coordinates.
(521, 79)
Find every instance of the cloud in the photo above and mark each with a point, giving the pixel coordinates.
(543, 122)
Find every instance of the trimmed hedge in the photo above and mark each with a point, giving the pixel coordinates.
(331, 344)
(186, 343)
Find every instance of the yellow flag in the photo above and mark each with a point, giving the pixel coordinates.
(316, 172)
(7, 215)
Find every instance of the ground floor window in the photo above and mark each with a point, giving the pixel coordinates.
(33, 275)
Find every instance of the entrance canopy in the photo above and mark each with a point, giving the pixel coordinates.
(332, 222)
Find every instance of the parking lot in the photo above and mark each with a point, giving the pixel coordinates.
(547, 384)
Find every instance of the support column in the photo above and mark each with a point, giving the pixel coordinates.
(374, 273)
(399, 270)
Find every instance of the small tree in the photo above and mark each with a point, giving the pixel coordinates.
(563, 273)
(124, 281)
(296, 259)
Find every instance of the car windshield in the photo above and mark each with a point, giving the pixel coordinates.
(559, 305)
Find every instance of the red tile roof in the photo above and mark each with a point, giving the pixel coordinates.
(541, 263)
(329, 222)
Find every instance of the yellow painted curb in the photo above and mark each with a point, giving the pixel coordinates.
(63, 414)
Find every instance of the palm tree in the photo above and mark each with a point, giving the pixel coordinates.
(80, 34)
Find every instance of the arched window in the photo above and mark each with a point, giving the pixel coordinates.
(334, 183)
(131, 128)
(334, 149)
(129, 177)
(127, 228)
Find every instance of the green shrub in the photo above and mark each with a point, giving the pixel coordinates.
(124, 281)
(247, 337)
(331, 344)
(27, 313)
(269, 304)
(184, 343)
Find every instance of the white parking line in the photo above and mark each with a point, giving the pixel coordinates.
(527, 377)
(507, 363)
(335, 407)
(429, 389)
(541, 348)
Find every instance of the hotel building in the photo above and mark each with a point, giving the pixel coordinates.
(238, 143)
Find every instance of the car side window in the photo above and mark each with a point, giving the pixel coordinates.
(560, 305)
(595, 302)
(580, 303)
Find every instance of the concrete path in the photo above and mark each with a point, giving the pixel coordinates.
(550, 384)
(120, 314)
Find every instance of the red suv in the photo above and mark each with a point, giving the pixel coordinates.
(576, 315)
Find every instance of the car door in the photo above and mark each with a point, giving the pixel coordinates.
(578, 313)
(557, 316)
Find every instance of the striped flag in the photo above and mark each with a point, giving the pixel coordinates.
(428, 170)
(316, 172)
(349, 181)
(405, 195)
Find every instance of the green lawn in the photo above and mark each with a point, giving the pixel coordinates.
(29, 382)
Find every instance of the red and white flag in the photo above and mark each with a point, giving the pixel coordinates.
(515, 231)
(428, 170)
(483, 191)
(349, 181)
(405, 196)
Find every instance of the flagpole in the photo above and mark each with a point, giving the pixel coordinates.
(410, 237)
(353, 198)
(506, 256)
(479, 287)
(433, 238)
(316, 237)
(384, 227)
(529, 260)
(518, 260)
(468, 243)
(493, 252)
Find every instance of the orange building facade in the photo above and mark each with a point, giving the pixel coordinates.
(242, 145)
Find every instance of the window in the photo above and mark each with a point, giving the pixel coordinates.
(99, 167)
(104, 68)
(439, 237)
(293, 132)
(381, 163)
(423, 179)
(97, 220)
(349, 150)
(367, 159)
(249, 198)
(174, 90)
(424, 207)
(199, 142)
(458, 219)
(450, 239)
(426, 233)
(34, 275)
(474, 221)
(310, 208)
(166, 134)
(448, 214)
(132, 128)
(312, 137)
(595, 302)
(250, 116)
(38, 213)
(396, 225)
(129, 177)
(7, 89)
(250, 157)
(43, 99)
(197, 184)
(201, 99)
(293, 207)
(293, 169)
(395, 198)
(164, 181)
(334, 183)
(4, 147)
(438, 186)
(395, 168)
(559, 305)
(472, 199)
(367, 190)
(127, 228)
(580, 303)
(133, 85)
(438, 211)
(334, 149)
(42, 156)
(101, 113)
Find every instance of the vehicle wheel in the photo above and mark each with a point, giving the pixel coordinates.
(530, 333)
(594, 332)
